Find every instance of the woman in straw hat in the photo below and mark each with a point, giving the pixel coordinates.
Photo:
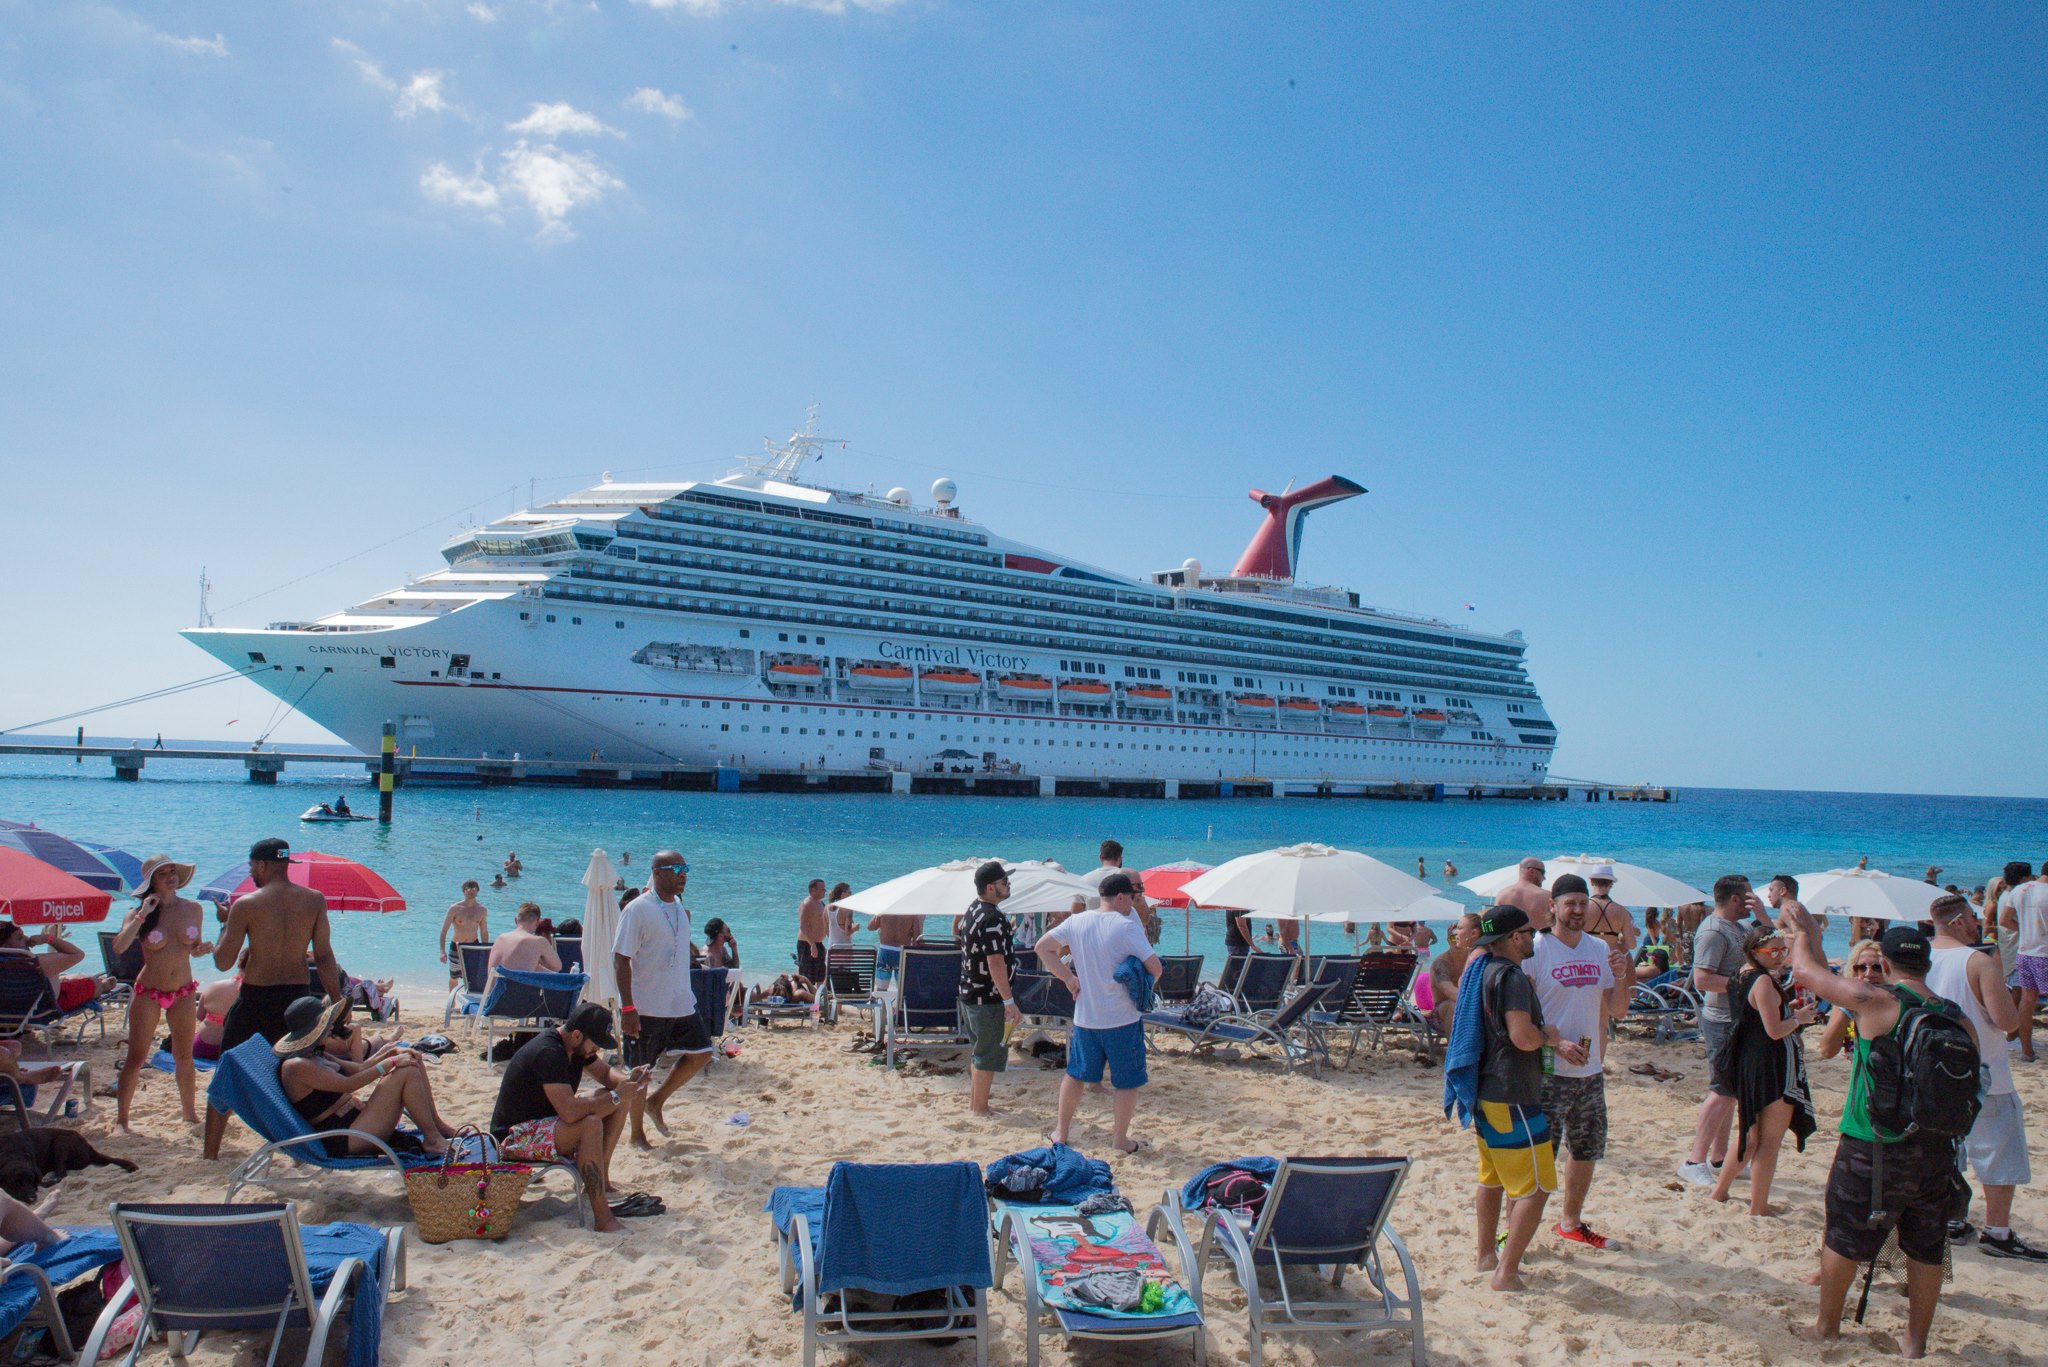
(169, 929)
(322, 1088)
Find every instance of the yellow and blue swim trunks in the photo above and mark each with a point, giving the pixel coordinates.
(1515, 1152)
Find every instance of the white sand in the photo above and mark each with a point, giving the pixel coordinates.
(1699, 1282)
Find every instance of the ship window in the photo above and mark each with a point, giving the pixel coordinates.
(575, 621)
(620, 625)
(744, 632)
(496, 675)
(388, 662)
(725, 726)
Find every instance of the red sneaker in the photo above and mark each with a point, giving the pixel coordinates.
(1582, 1235)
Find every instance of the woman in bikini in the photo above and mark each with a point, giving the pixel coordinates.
(321, 1087)
(169, 928)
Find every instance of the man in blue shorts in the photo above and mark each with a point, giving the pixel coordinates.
(1108, 1035)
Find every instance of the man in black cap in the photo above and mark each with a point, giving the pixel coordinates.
(1918, 1171)
(540, 1118)
(281, 922)
(1516, 1161)
(988, 956)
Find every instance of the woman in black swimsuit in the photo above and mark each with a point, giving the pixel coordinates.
(321, 1088)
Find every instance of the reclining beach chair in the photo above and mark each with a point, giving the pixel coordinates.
(246, 1084)
(1055, 1246)
(122, 968)
(914, 1232)
(849, 981)
(1286, 1030)
(29, 1278)
(195, 1268)
(1180, 975)
(926, 1011)
(466, 998)
(1042, 999)
(569, 949)
(1318, 1212)
(1380, 1001)
(1666, 1004)
(18, 1103)
(28, 1002)
(522, 1000)
(1264, 981)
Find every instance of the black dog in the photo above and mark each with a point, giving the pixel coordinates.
(40, 1155)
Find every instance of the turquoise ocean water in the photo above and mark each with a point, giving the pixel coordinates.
(751, 854)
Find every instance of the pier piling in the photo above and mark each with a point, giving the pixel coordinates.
(387, 772)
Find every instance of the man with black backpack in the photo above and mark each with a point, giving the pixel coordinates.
(1912, 1097)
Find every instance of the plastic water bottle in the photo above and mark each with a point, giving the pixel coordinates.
(1549, 1061)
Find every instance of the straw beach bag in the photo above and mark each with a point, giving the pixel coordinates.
(452, 1200)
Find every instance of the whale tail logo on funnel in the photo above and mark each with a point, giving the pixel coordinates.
(1276, 545)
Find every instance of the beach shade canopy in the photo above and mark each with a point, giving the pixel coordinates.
(1634, 885)
(1163, 882)
(33, 893)
(119, 860)
(64, 854)
(600, 928)
(346, 884)
(1316, 882)
(1867, 892)
(947, 889)
(1428, 909)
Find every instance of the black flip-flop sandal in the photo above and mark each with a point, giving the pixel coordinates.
(639, 1204)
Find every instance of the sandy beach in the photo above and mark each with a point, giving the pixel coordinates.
(1696, 1281)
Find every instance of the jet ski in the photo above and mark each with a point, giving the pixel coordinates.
(323, 812)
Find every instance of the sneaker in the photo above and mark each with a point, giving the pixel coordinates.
(1959, 1231)
(1699, 1174)
(2011, 1246)
(1583, 1235)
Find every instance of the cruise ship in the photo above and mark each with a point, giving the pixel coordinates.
(766, 622)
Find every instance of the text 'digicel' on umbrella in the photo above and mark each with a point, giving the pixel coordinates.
(1634, 885)
(1869, 893)
(346, 884)
(33, 893)
(62, 853)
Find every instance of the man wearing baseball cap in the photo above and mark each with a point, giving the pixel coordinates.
(988, 956)
(541, 1118)
(281, 923)
(1516, 1161)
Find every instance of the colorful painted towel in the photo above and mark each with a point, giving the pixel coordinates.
(1069, 1246)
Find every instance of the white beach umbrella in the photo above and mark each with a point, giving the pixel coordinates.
(1315, 882)
(600, 928)
(946, 889)
(1867, 892)
(1634, 885)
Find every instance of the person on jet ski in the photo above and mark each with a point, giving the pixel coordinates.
(341, 806)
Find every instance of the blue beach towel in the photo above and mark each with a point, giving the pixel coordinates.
(1072, 1178)
(1468, 1036)
(1137, 981)
(246, 1085)
(1193, 1192)
(80, 1251)
(162, 1061)
(893, 1228)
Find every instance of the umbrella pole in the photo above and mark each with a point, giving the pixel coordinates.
(1187, 929)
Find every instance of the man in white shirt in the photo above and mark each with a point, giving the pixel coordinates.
(657, 1006)
(1582, 982)
(2029, 911)
(1108, 1034)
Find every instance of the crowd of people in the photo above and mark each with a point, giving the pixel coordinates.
(1933, 1015)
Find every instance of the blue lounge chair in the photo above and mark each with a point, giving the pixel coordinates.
(1263, 981)
(1286, 1030)
(569, 949)
(466, 998)
(522, 1000)
(893, 1230)
(196, 1268)
(1041, 998)
(1051, 1242)
(849, 982)
(1379, 1002)
(122, 968)
(926, 1012)
(1180, 975)
(1318, 1212)
(1667, 1004)
(246, 1084)
(28, 1002)
(30, 1275)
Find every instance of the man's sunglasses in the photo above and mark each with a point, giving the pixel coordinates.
(1868, 970)
(671, 868)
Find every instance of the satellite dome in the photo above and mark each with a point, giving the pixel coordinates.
(900, 495)
(944, 491)
(1191, 569)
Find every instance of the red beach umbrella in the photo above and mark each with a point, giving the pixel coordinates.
(1163, 882)
(33, 893)
(347, 885)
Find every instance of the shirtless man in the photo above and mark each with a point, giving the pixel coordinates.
(1605, 917)
(468, 922)
(523, 948)
(1528, 895)
(811, 932)
(896, 934)
(1448, 968)
(281, 921)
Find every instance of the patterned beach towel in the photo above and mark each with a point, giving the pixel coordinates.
(1070, 1246)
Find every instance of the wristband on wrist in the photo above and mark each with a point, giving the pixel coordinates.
(629, 1010)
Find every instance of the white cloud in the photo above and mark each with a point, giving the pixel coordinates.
(551, 182)
(216, 46)
(648, 100)
(421, 92)
(560, 119)
(706, 8)
(481, 12)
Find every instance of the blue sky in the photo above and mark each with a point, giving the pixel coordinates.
(1705, 348)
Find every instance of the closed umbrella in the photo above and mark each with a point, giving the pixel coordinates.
(33, 893)
(600, 928)
(1634, 885)
(1868, 893)
(346, 884)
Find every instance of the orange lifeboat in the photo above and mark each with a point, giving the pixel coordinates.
(1024, 687)
(1349, 713)
(790, 672)
(951, 681)
(1252, 704)
(1388, 713)
(879, 676)
(1430, 714)
(1084, 691)
(1149, 695)
(1301, 707)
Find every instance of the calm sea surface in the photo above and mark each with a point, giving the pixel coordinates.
(750, 855)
